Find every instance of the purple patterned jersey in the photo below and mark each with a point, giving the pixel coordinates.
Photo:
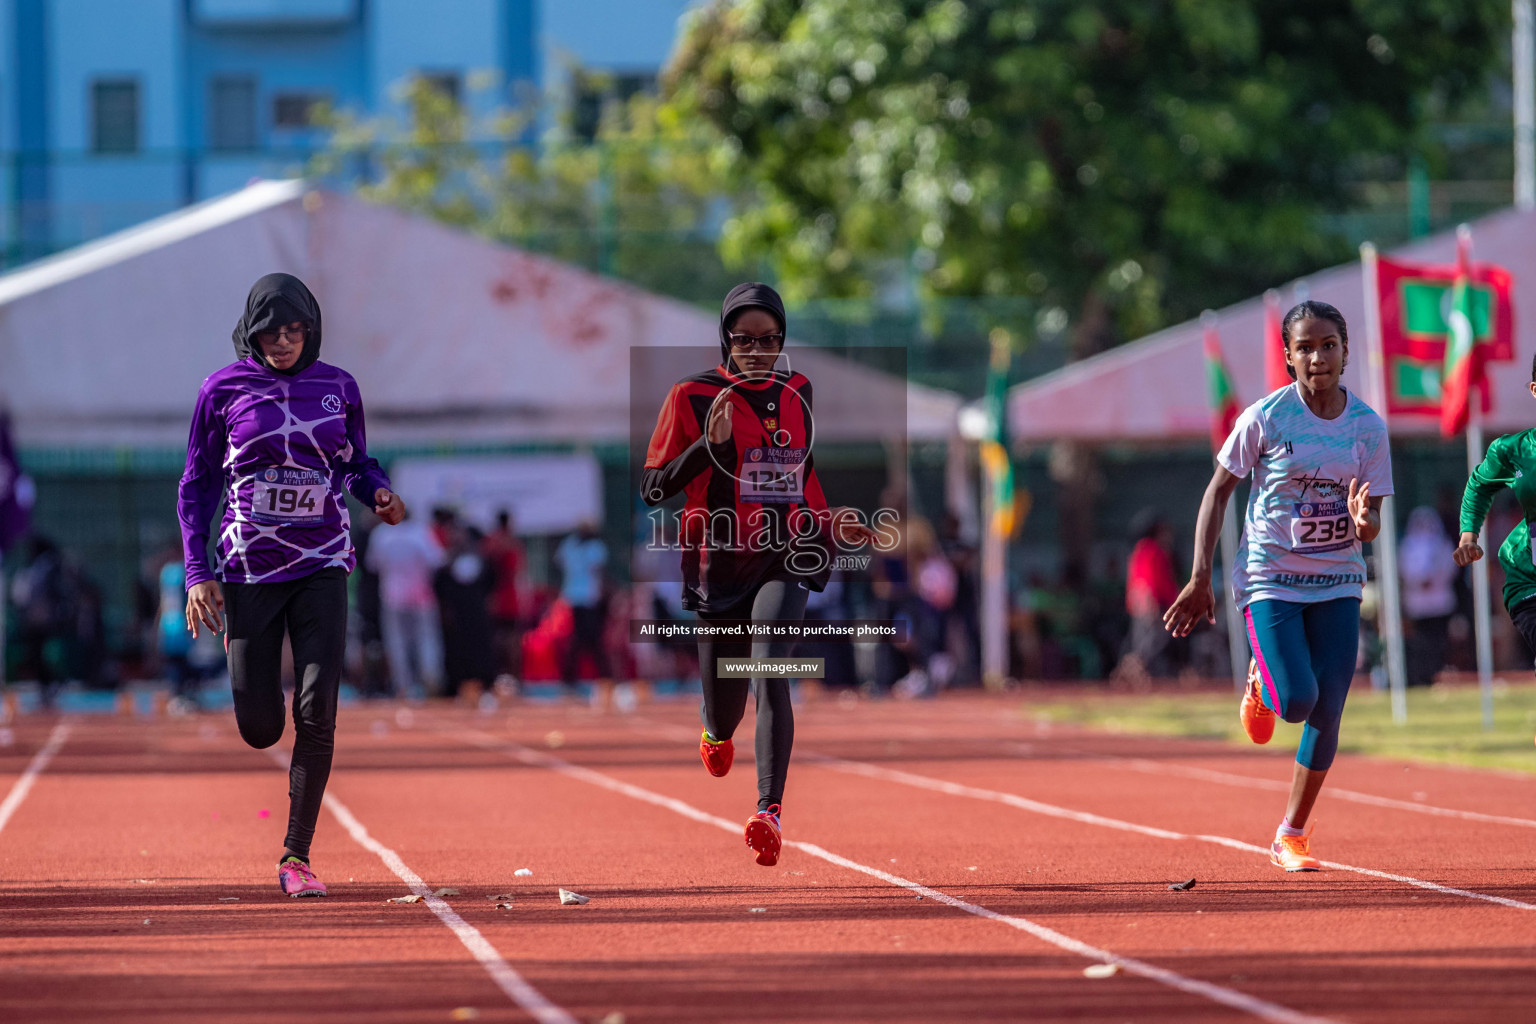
(278, 449)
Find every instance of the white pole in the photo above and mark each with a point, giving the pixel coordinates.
(1237, 642)
(1480, 602)
(994, 595)
(1525, 106)
(1391, 618)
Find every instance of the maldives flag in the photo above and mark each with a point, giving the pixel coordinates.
(1463, 362)
(994, 448)
(1416, 302)
(1275, 374)
(1224, 407)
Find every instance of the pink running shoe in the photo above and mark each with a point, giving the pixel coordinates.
(295, 878)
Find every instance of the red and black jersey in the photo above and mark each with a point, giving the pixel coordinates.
(752, 501)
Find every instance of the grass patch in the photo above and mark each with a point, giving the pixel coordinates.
(1445, 723)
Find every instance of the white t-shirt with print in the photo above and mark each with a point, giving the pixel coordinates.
(1299, 542)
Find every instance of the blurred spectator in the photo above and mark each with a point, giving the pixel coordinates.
(86, 640)
(505, 553)
(1104, 611)
(173, 637)
(464, 586)
(1150, 589)
(839, 666)
(45, 616)
(889, 582)
(963, 621)
(1429, 593)
(405, 558)
(657, 593)
(444, 522)
(934, 598)
(581, 557)
(367, 667)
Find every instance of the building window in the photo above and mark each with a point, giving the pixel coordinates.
(296, 109)
(445, 82)
(232, 113)
(594, 92)
(115, 115)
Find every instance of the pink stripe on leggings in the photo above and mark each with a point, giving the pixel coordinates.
(1258, 656)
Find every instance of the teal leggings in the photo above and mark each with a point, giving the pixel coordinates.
(1306, 657)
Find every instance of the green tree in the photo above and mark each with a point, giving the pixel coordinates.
(638, 201)
(1127, 162)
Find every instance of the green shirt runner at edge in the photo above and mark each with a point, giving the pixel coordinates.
(1510, 462)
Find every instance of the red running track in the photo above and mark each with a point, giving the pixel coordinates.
(138, 878)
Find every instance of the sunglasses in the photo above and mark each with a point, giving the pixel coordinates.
(292, 333)
(761, 342)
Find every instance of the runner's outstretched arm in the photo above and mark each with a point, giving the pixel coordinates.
(1492, 475)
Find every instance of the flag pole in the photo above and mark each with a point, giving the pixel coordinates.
(1480, 601)
(1390, 618)
(1482, 624)
(1524, 54)
(1237, 645)
(994, 589)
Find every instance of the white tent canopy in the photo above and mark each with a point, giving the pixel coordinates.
(1154, 389)
(452, 338)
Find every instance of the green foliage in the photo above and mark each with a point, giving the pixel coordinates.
(1129, 160)
(635, 202)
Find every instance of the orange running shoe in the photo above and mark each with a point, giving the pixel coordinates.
(1258, 721)
(1293, 853)
(716, 755)
(762, 834)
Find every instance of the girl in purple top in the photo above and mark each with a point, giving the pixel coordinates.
(277, 436)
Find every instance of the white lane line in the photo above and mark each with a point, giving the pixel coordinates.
(1225, 996)
(23, 785)
(1273, 785)
(506, 978)
(1054, 811)
(1051, 810)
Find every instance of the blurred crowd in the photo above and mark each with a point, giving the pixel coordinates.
(441, 607)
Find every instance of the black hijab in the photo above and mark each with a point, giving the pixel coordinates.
(749, 295)
(275, 300)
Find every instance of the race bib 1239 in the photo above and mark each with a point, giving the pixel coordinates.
(773, 475)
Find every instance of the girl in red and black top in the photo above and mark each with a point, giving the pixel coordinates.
(756, 531)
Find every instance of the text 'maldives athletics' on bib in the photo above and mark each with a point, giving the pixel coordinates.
(1299, 542)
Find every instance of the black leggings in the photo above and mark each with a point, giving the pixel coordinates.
(725, 700)
(313, 612)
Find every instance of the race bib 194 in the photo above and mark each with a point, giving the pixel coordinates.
(1318, 526)
(285, 494)
(773, 476)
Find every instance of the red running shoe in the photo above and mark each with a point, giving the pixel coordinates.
(716, 755)
(297, 880)
(762, 834)
(1258, 721)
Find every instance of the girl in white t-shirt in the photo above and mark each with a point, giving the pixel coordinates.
(1320, 466)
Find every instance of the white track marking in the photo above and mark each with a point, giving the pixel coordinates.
(23, 785)
(1225, 996)
(1051, 810)
(1273, 785)
(506, 978)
